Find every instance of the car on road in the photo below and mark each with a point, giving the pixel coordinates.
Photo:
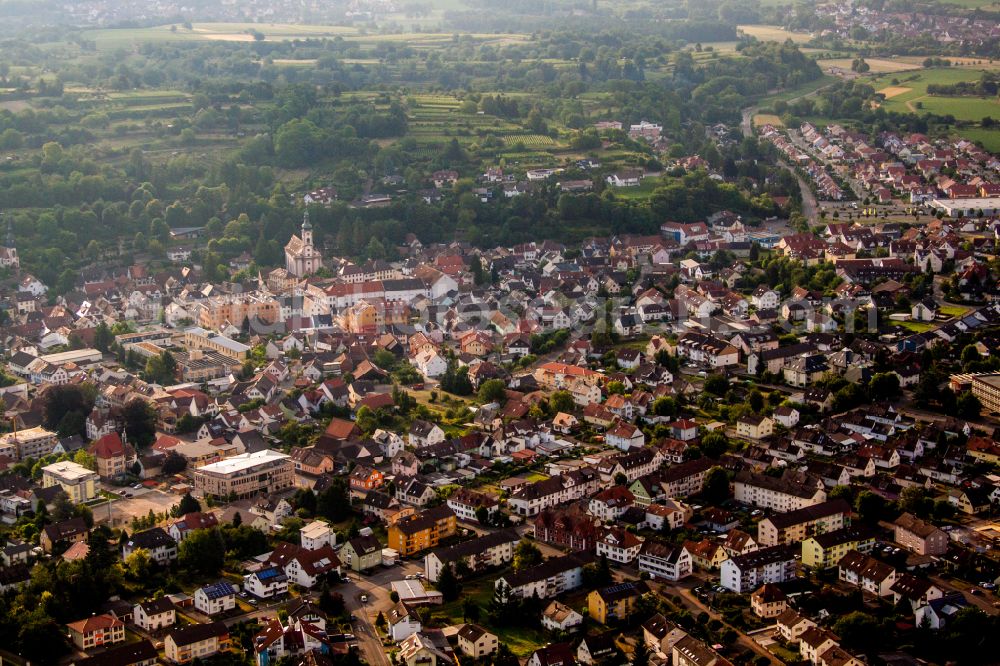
(364, 598)
(252, 601)
(975, 591)
(988, 585)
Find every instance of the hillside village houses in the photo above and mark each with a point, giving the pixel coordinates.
(603, 445)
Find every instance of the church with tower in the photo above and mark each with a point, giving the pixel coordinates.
(301, 257)
(8, 252)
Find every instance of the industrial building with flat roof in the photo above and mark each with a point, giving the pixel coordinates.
(987, 389)
(974, 207)
(199, 338)
(246, 475)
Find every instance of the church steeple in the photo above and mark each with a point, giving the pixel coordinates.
(307, 227)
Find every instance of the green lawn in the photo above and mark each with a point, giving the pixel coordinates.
(793, 93)
(989, 138)
(917, 100)
(953, 310)
(521, 640)
(916, 326)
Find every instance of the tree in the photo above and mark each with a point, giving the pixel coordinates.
(640, 656)
(968, 406)
(665, 406)
(482, 515)
(140, 422)
(65, 408)
(492, 390)
(103, 339)
(501, 604)
(526, 555)
(869, 507)
(334, 502)
(202, 551)
(173, 463)
(914, 499)
(755, 400)
(504, 657)
(138, 564)
(332, 603)
(858, 631)
(561, 401)
(716, 384)
(40, 639)
(380, 621)
(884, 385)
(305, 499)
(162, 368)
(187, 505)
(714, 444)
(840, 492)
(716, 486)
(470, 610)
(448, 584)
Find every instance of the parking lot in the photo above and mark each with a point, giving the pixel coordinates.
(120, 512)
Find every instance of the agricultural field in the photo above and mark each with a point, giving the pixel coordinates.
(878, 65)
(915, 98)
(773, 33)
(111, 38)
(956, 61)
(767, 119)
(972, 4)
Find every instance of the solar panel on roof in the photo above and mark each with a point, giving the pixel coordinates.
(218, 590)
(268, 574)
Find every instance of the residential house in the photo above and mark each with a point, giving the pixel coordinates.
(215, 598)
(548, 579)
(425, 530)
(768, 601)
(267, 582)
(615, 603)
(618, 545)
(744, 573)
(402, 622)
(560, 617)
(195, 641)
(665, 561)
(476, 642)
(798, 524)
(96, 631)
(362, 553)
(866, 572)
(154, 614)
(823, 551)
(919, 536)
(161, 546)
